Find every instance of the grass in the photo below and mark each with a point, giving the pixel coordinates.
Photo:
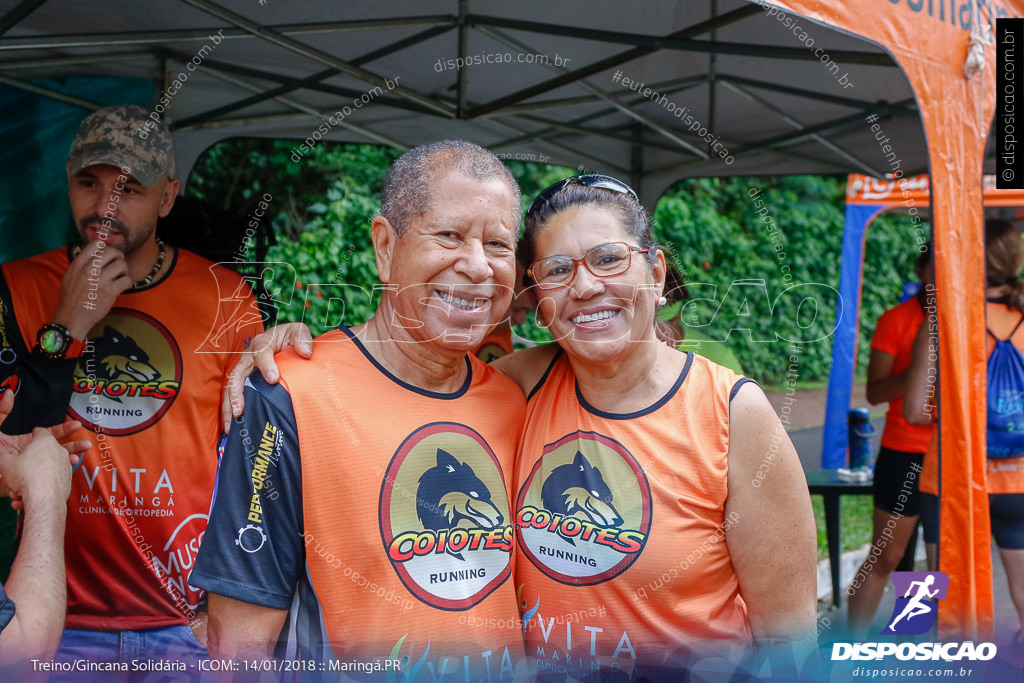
(854, 523)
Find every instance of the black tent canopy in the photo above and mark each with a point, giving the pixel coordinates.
(601, 85)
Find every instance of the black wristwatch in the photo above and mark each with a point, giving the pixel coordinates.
(54, 341)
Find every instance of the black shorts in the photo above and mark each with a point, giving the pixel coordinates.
(930, 517)
(1007, 512)
(897, 474)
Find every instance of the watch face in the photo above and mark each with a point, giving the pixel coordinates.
(52, 341)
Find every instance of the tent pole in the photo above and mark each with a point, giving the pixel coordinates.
(292, 45)
(629, 139)
(17, 65)
(785, 139)
(594, 90)
(613, 61)
(667, 87)
(46, 92)
(184, 35)
(895, 109)
(354, 127)
(313, 79)
(680, 43)
(14, 16)
(679, 87)
(828, 144)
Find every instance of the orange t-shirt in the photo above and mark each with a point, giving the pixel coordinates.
(495, 345)
(147, 390)
(1001, 476)
(894, 335)
(621, 523)
(378, 513)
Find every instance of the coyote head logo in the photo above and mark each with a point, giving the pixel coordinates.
(577, 489)
(450, 493)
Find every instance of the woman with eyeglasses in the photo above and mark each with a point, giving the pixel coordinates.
(662, 517)
(662, 513)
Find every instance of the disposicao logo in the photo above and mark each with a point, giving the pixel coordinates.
(914, 614)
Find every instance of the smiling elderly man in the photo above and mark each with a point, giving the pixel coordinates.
(387, 535)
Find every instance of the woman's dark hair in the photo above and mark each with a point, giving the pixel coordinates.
(1004, 259)
(675, 281)
(635, 220)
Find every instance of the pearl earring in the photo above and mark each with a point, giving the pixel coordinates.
(662, 301)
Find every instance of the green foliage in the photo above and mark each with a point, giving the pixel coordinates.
(760, 274)
(322, 207)
(321, 210)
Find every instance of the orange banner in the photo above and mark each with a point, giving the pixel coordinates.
(915, 191)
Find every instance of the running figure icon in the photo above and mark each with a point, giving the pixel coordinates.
(915, 606)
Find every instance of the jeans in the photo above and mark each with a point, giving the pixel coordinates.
(170, 643)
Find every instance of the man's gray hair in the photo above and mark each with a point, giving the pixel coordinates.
(407, 187)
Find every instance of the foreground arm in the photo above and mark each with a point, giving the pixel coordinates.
(40, 476)
(17, 443)
(778, 579)
(44, 384)
(253, 553)
(240, 630)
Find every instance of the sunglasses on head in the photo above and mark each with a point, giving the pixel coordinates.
(601, 182)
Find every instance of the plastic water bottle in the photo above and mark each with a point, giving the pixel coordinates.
(861, 430)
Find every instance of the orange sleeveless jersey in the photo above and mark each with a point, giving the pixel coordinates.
(407, 487)
(1002, 476)
(894, 335)
(147, 389)
(620, 524)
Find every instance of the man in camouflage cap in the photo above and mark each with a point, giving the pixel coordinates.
(108, 331)
(120, 135)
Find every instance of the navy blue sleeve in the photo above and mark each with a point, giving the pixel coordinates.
(253, 549)
(42, 387)
(6, 609)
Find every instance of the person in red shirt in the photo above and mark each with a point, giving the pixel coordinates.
(898, 465)
(1004, 477)
(132, 338)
